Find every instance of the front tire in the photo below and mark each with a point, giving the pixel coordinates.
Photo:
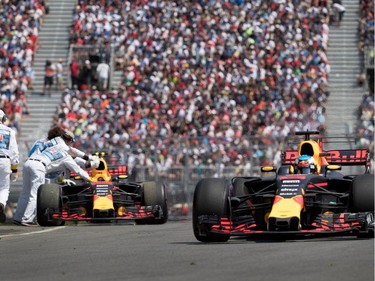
(48, 198)
(154, 193)
(210, 198)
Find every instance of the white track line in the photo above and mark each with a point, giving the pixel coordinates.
(30, 233)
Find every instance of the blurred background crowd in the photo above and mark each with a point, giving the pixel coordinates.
(20, 23)
(200, 78)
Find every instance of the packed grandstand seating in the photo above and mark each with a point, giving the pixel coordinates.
(207, 76)
(365, 128)
(202, 73)
(20, 22)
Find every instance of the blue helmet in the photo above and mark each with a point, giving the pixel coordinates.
(305, 164)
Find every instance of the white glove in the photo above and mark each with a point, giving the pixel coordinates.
(13, 176)
(94, 161)
(68, 182)
(92, 157)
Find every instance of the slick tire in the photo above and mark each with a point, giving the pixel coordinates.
(363, 193)
(48, 199)
(210, 198)
(154, 193)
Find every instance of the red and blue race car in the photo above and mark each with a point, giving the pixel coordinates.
(109, 197)
(287, 201)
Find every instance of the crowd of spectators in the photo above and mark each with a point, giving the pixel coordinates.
(366, 25)
(365, 128)
(212, 74)
(19, 26)
(201, 78)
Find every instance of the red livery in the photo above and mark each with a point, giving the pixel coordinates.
(109, 197)
(306, 195)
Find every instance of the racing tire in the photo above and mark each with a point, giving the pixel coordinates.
(48, 198)
(154, 193)
(210, 198)
(363, 193)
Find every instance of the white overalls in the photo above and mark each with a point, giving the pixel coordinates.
(46, 157)
(8, 156)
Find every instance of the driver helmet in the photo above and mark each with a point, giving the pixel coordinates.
(305, 164)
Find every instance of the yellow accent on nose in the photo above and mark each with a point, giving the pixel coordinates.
(286, 208)
(103, 203)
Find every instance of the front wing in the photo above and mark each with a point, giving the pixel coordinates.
(325, 224)
(131, 213)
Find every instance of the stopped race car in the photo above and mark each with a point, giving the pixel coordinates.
(109, 197)
(282, 202)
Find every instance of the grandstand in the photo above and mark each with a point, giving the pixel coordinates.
(202, 89)
(345, 59)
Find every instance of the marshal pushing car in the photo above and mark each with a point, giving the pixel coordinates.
(307, 195)
(110, 196)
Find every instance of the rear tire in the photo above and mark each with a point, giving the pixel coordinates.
(48, 198)
(154, 193)
(210, 198)
(363, 193)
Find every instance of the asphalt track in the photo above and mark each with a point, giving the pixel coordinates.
(170, 252)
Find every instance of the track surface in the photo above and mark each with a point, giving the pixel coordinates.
(171, 252)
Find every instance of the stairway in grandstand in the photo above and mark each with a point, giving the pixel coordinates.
(53, 44)
(346, 63)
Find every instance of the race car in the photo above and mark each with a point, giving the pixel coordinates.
(307, 195)
(110, 196)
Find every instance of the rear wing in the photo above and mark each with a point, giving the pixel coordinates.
(118, 170)
(113, 171)
(347, 157)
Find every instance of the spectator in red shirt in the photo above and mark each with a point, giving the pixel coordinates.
(74, 72)
(49, 73)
